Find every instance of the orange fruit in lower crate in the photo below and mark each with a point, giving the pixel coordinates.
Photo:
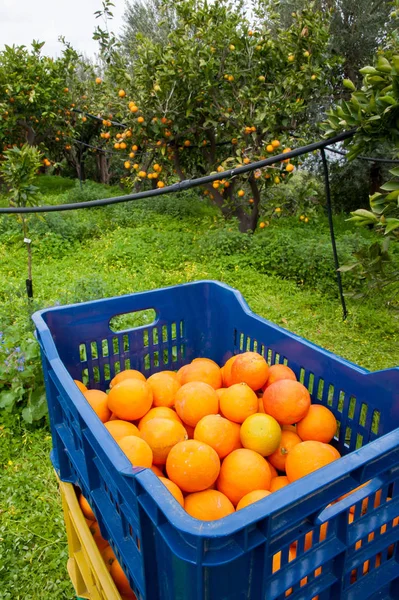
(238, 403)
(288, 440)
(137, 450)
(164, 387)
(180, 373)
(174, 490)
(220, 392)
(159, 412)
(273, 470)
(121, 581)
(98, 538)
(127, 374)
(308, 457)
(130, 399)
(278, 372)
(158, 472)
(250, 368)
(195, 400)
(260, 433)
(99, 402)
(108, 557)
(86, 508)
(209, 505)
(319, 424)
(161, 435)
(278, 482)
(220, 433)
(252, 497)
(243, 471)
(120, 429)
(287, 401)
(226, 372)
(205, 370)
(80, 385)
(193, 466)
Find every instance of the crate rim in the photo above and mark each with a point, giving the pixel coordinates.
(183, 522)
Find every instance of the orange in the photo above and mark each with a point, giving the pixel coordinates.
(260, 433)
(190, 431)
(121, 93)
(81, 386)
(205, 370)
(157, 471)
(319, 424)
(273, 470)
(195, 400)
(289, 439)
(220, 433)
(86, 508)
(121, 581)
(193, 466)
(161, 435)
(173, 489)
(108, 557)
(243, 471)
(99, 402)
(227, 372)
(261, 408)
(238, 403)
(130, 399)
(278, 372)
(159, 412)
(250, 368)
(307, 457)
(287, 401)
(209, 505)
(220, 392)
(278, 482)
(164, 387)
(137, 450)
(98, 538)
(120, 429)
(127, 374)
(289, 428)
(181, 372)
(251, 498)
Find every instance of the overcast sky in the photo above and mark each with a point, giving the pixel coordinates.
(22, 21)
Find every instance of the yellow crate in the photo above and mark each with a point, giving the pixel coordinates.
(86, 568)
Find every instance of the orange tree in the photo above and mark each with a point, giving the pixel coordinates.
(221, 92)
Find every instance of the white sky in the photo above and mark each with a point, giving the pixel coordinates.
(22, 21)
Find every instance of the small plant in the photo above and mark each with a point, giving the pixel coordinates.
(19, 171)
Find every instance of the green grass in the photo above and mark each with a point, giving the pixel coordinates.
(100, 253)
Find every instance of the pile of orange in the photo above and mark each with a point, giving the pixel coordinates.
(219, 438)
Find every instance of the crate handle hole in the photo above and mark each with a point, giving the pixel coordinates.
(132, 320)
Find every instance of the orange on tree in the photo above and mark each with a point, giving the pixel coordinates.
(99, 402)
(98, 80)
(288, 440)
(204, 370)
(193, 466)
(261, 433)
(219, 433)
(121, 93)
(240, 193)
(173, 489)
(319, 424)
(120, 429)
(160, 184)
(137, 451)
(130, 399)
(159, 412)
(127, 164)
(307, 457)
(277, 372)
(208, 505)
(275, 143)
(243, 471)
(195, 400)
(161, 435)
(238, 403)
(250, 368)
(252, 497)
(164, 387)
(270, 148)
(287, 401)
(289, 168)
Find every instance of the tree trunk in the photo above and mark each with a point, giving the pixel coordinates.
(375, 178)
(103, 174)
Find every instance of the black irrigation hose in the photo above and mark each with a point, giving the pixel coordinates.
(368, 158)
(182, 185)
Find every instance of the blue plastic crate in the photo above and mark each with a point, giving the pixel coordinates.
(167, 554)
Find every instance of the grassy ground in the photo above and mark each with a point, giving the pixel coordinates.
(123, 250)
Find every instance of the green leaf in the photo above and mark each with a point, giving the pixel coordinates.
(368, 71)
(349, 84)
(390, 186)
(391, 225)
(384, 65)
(395, 171)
